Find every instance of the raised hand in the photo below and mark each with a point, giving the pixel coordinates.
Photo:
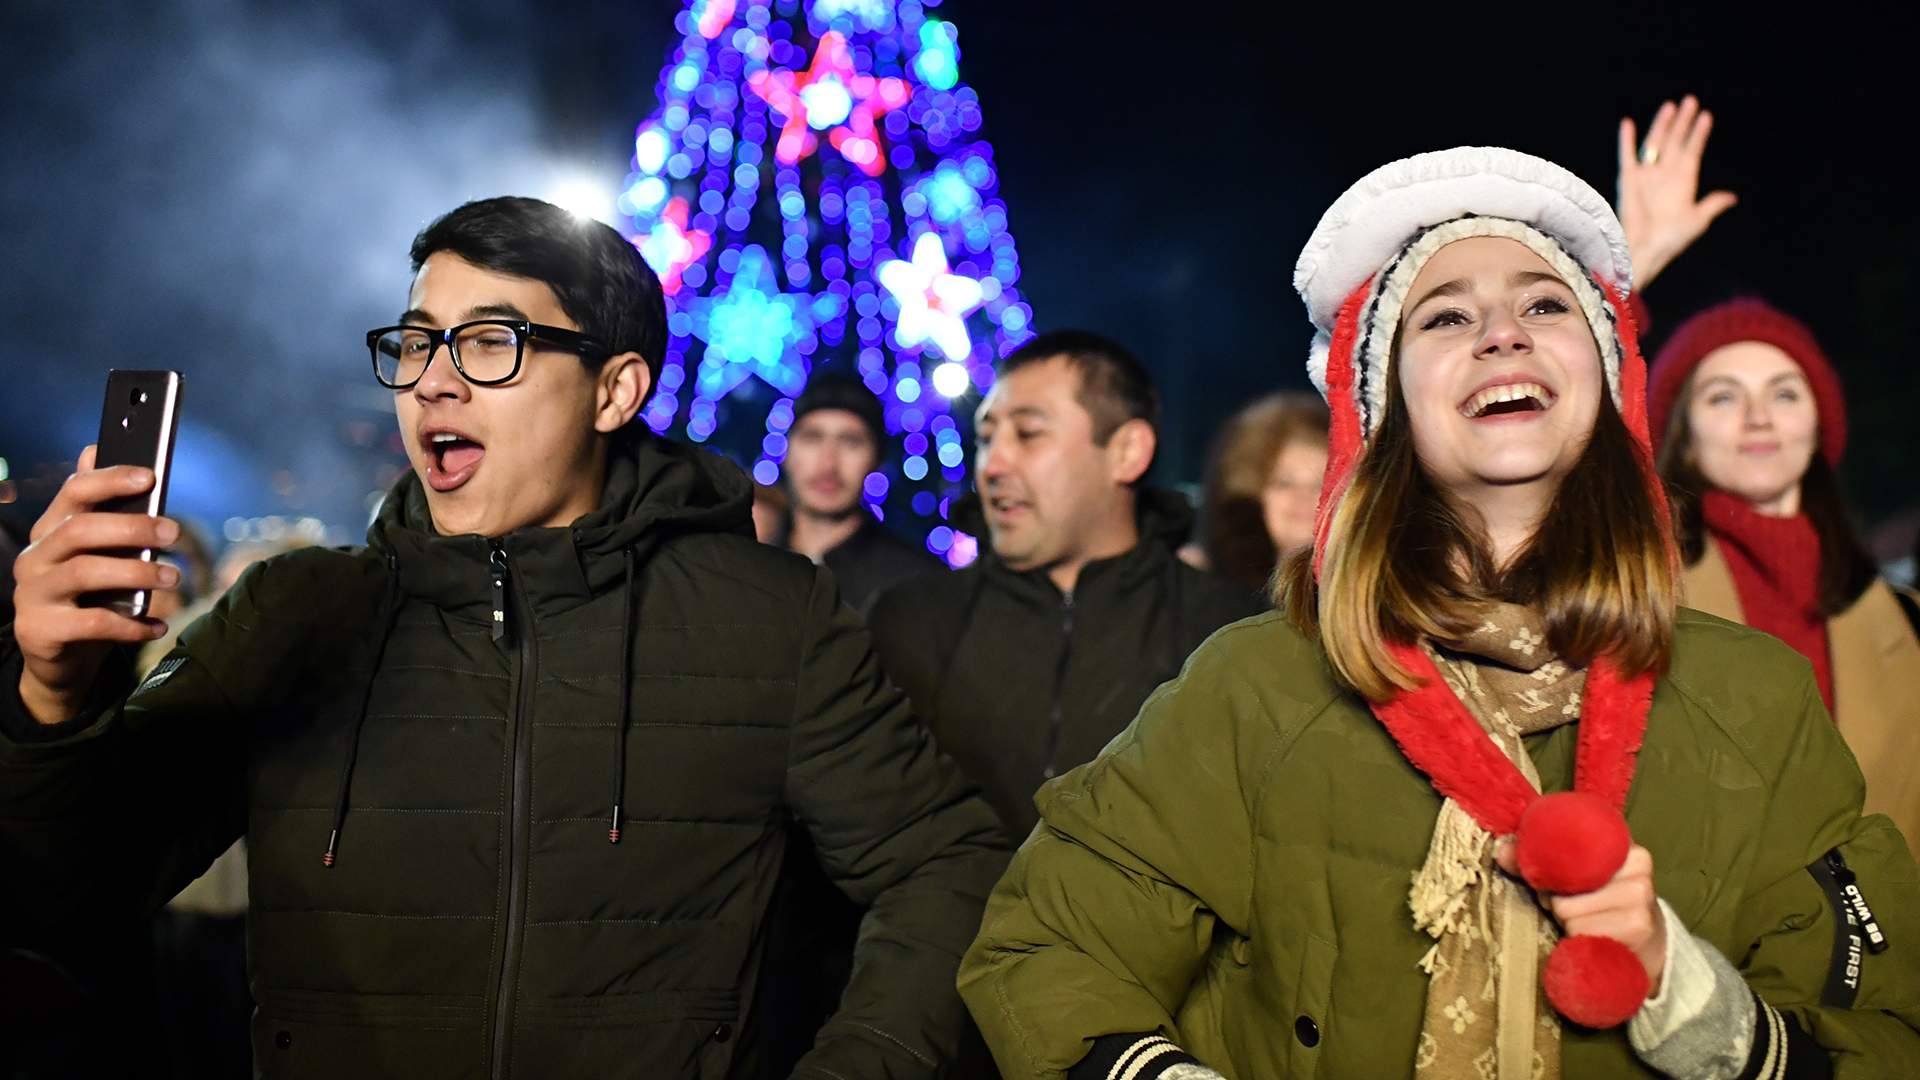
(75, 550)
(1660, 204)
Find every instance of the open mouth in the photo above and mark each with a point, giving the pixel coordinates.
(1508, 400)
(452, 459)
(1004, 507)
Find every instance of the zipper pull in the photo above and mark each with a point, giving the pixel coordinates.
(497, 561)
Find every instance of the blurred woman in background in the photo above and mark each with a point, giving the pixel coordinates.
(1262, 485)
(1752, 423)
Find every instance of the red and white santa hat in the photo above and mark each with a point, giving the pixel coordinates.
(1371, 243)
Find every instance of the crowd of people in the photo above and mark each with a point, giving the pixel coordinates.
(598, 759)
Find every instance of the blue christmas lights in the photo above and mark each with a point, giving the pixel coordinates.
(813, 191)
(749, 330)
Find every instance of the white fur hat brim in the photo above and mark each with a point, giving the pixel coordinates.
(1376, 217)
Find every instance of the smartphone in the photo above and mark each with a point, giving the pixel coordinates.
(137, 427)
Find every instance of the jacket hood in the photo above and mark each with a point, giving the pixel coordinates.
(655, 489)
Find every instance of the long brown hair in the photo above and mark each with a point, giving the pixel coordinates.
(1404, 563)
(1845, 567)
(1233, 522)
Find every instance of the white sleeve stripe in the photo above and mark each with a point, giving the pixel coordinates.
(1120, 1070)
(1774, 1066)
(1164, 1048)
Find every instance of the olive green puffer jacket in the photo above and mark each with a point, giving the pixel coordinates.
(1233, 870)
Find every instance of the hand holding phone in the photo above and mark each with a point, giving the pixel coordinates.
(81, 548)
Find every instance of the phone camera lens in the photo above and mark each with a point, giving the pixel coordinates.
(139, 397)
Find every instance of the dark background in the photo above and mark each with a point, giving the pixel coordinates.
(229, 187)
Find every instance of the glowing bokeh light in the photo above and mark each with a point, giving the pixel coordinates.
(950, 380)
(938, 63)
(887, 256)
(934, 301)
(749, 331)
(583, 197)
(669, 247)
(827, 102)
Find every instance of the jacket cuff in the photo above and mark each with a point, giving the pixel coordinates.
(1142, 1056)
(18, 728)
(1708, 1024)
(1782, 1049)
(1700, 1026)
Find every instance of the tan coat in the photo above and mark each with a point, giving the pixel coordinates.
(1876, 685)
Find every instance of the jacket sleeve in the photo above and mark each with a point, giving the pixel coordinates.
(1808, 952)
(897, 829)
(1141, 857)
(108, 815)
(903, 643)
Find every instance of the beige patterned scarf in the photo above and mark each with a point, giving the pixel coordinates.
(1486, 1017)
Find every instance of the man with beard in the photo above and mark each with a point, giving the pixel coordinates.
(833, 444)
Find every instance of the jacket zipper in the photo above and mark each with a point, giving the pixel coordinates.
(522, 735)
(1056, 717)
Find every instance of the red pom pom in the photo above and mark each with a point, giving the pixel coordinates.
(1595, 982)
(1571, 843)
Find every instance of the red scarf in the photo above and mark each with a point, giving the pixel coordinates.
(1776, 572)
(1442, 739)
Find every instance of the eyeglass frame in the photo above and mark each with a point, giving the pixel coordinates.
(523, 332)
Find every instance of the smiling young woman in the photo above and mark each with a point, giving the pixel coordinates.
(1753, 424)
(1499, 453)
(1487, 613)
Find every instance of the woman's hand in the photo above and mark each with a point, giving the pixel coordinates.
(1625, 909)
(1660, 207)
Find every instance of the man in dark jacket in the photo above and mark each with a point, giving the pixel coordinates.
(833, 445)
(1027, 662)
(516, 776)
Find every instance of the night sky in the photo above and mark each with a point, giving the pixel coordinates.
(229, 188)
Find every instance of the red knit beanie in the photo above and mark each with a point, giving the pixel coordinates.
(1748, 319)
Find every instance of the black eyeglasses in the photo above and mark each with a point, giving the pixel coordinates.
(486, 352)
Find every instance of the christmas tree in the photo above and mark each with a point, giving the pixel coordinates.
(814, 192)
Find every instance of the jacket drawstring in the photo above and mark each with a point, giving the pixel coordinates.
(390, 609)
(626, 701)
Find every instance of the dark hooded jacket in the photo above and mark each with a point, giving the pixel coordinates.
(870, 562)
(1021, 682)
(474, 721)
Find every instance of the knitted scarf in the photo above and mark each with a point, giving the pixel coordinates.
(1775, 564)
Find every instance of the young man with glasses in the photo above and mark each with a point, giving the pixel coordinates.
(515, 776)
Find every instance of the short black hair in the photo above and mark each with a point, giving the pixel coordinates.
(1114, 385)
(844, 391)
(602, 283)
